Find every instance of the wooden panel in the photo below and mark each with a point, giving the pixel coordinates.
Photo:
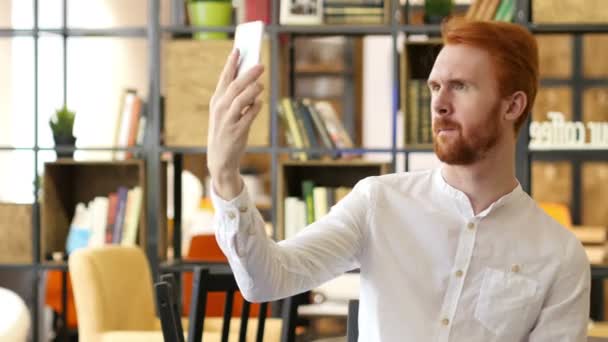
(595, 194)
(595, 55)
(67, 183)
(595, 104)
(555, 55)
(15, 233)
(569, 11)
(192, 70)
(552, 182)
(552, 99)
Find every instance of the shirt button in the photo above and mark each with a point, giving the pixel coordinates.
(445, 321)
(459, 273)
(515, 268)
(243, 209)
(231, 215)
(471, 225)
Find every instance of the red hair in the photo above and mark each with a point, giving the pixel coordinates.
(513, 50)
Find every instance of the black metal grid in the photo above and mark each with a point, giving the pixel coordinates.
(152, 149)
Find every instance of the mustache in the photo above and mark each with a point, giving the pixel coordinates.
(442, 123)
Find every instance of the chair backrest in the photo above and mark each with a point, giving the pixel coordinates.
(204, 248)
(206, 281)
(352, 322)
(112, 290)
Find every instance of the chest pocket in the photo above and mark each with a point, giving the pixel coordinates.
(503, 306)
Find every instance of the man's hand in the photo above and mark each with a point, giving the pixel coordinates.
(232, 109)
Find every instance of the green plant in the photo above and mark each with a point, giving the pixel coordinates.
(62, 122)
(434, 10)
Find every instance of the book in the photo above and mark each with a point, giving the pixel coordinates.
(353, 3)
(354, 19)
(136, 114)
(120, 215)
(341, 192)
(293, 126)
(128, 106)
(335, 128)
(319, 125)
(132, 214)
(257, 10)
(320, 201)
(111, 220)
(413, 112)
(426, 134)
(488, 11)
(347, 11)
(473, 10)
(308, 127)
(506, 11)
(99, 217)
(307, 195)
(80, 229)
(295, 216)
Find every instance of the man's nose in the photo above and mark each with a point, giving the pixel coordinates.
(440, 103)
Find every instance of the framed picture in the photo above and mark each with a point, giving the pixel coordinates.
(301, 12)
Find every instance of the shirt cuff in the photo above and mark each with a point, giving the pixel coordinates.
(241, 202)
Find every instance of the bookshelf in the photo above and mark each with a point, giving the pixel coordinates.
(68, 182)
(328, 173)
(155, 238)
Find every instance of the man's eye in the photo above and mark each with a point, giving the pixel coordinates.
(458, 86)
(434, 87)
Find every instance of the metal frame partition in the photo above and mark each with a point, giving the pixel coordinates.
(152, 149)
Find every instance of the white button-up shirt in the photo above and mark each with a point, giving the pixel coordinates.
(431, 270)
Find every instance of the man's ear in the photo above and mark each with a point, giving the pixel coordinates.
(516, 106)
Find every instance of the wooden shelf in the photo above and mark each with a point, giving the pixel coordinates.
(16, 233)
(68, 182)
(329, 173)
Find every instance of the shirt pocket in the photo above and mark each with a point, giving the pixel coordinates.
(503, 306)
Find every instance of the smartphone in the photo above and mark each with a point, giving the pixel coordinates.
(248, 40)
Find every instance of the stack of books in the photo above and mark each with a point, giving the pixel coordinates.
(355, 12)
(313, 124)
(485, 10)
(107, 220)
(418, 114)
(315, 202)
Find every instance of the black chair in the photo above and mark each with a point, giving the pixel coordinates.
(352, 322)
(205, 281)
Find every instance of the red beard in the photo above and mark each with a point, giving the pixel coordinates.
(454, 148)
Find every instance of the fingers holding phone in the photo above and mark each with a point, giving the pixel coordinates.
(235, 104)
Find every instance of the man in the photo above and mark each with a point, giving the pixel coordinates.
(460, 253)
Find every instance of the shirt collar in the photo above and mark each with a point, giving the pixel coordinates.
(462, 200)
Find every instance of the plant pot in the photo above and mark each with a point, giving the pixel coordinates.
(64, 141)
(210, 13)
(433, 19)
(436, 10)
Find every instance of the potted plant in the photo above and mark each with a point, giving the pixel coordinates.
(436, 10)
(211, 13)
(62, 124)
